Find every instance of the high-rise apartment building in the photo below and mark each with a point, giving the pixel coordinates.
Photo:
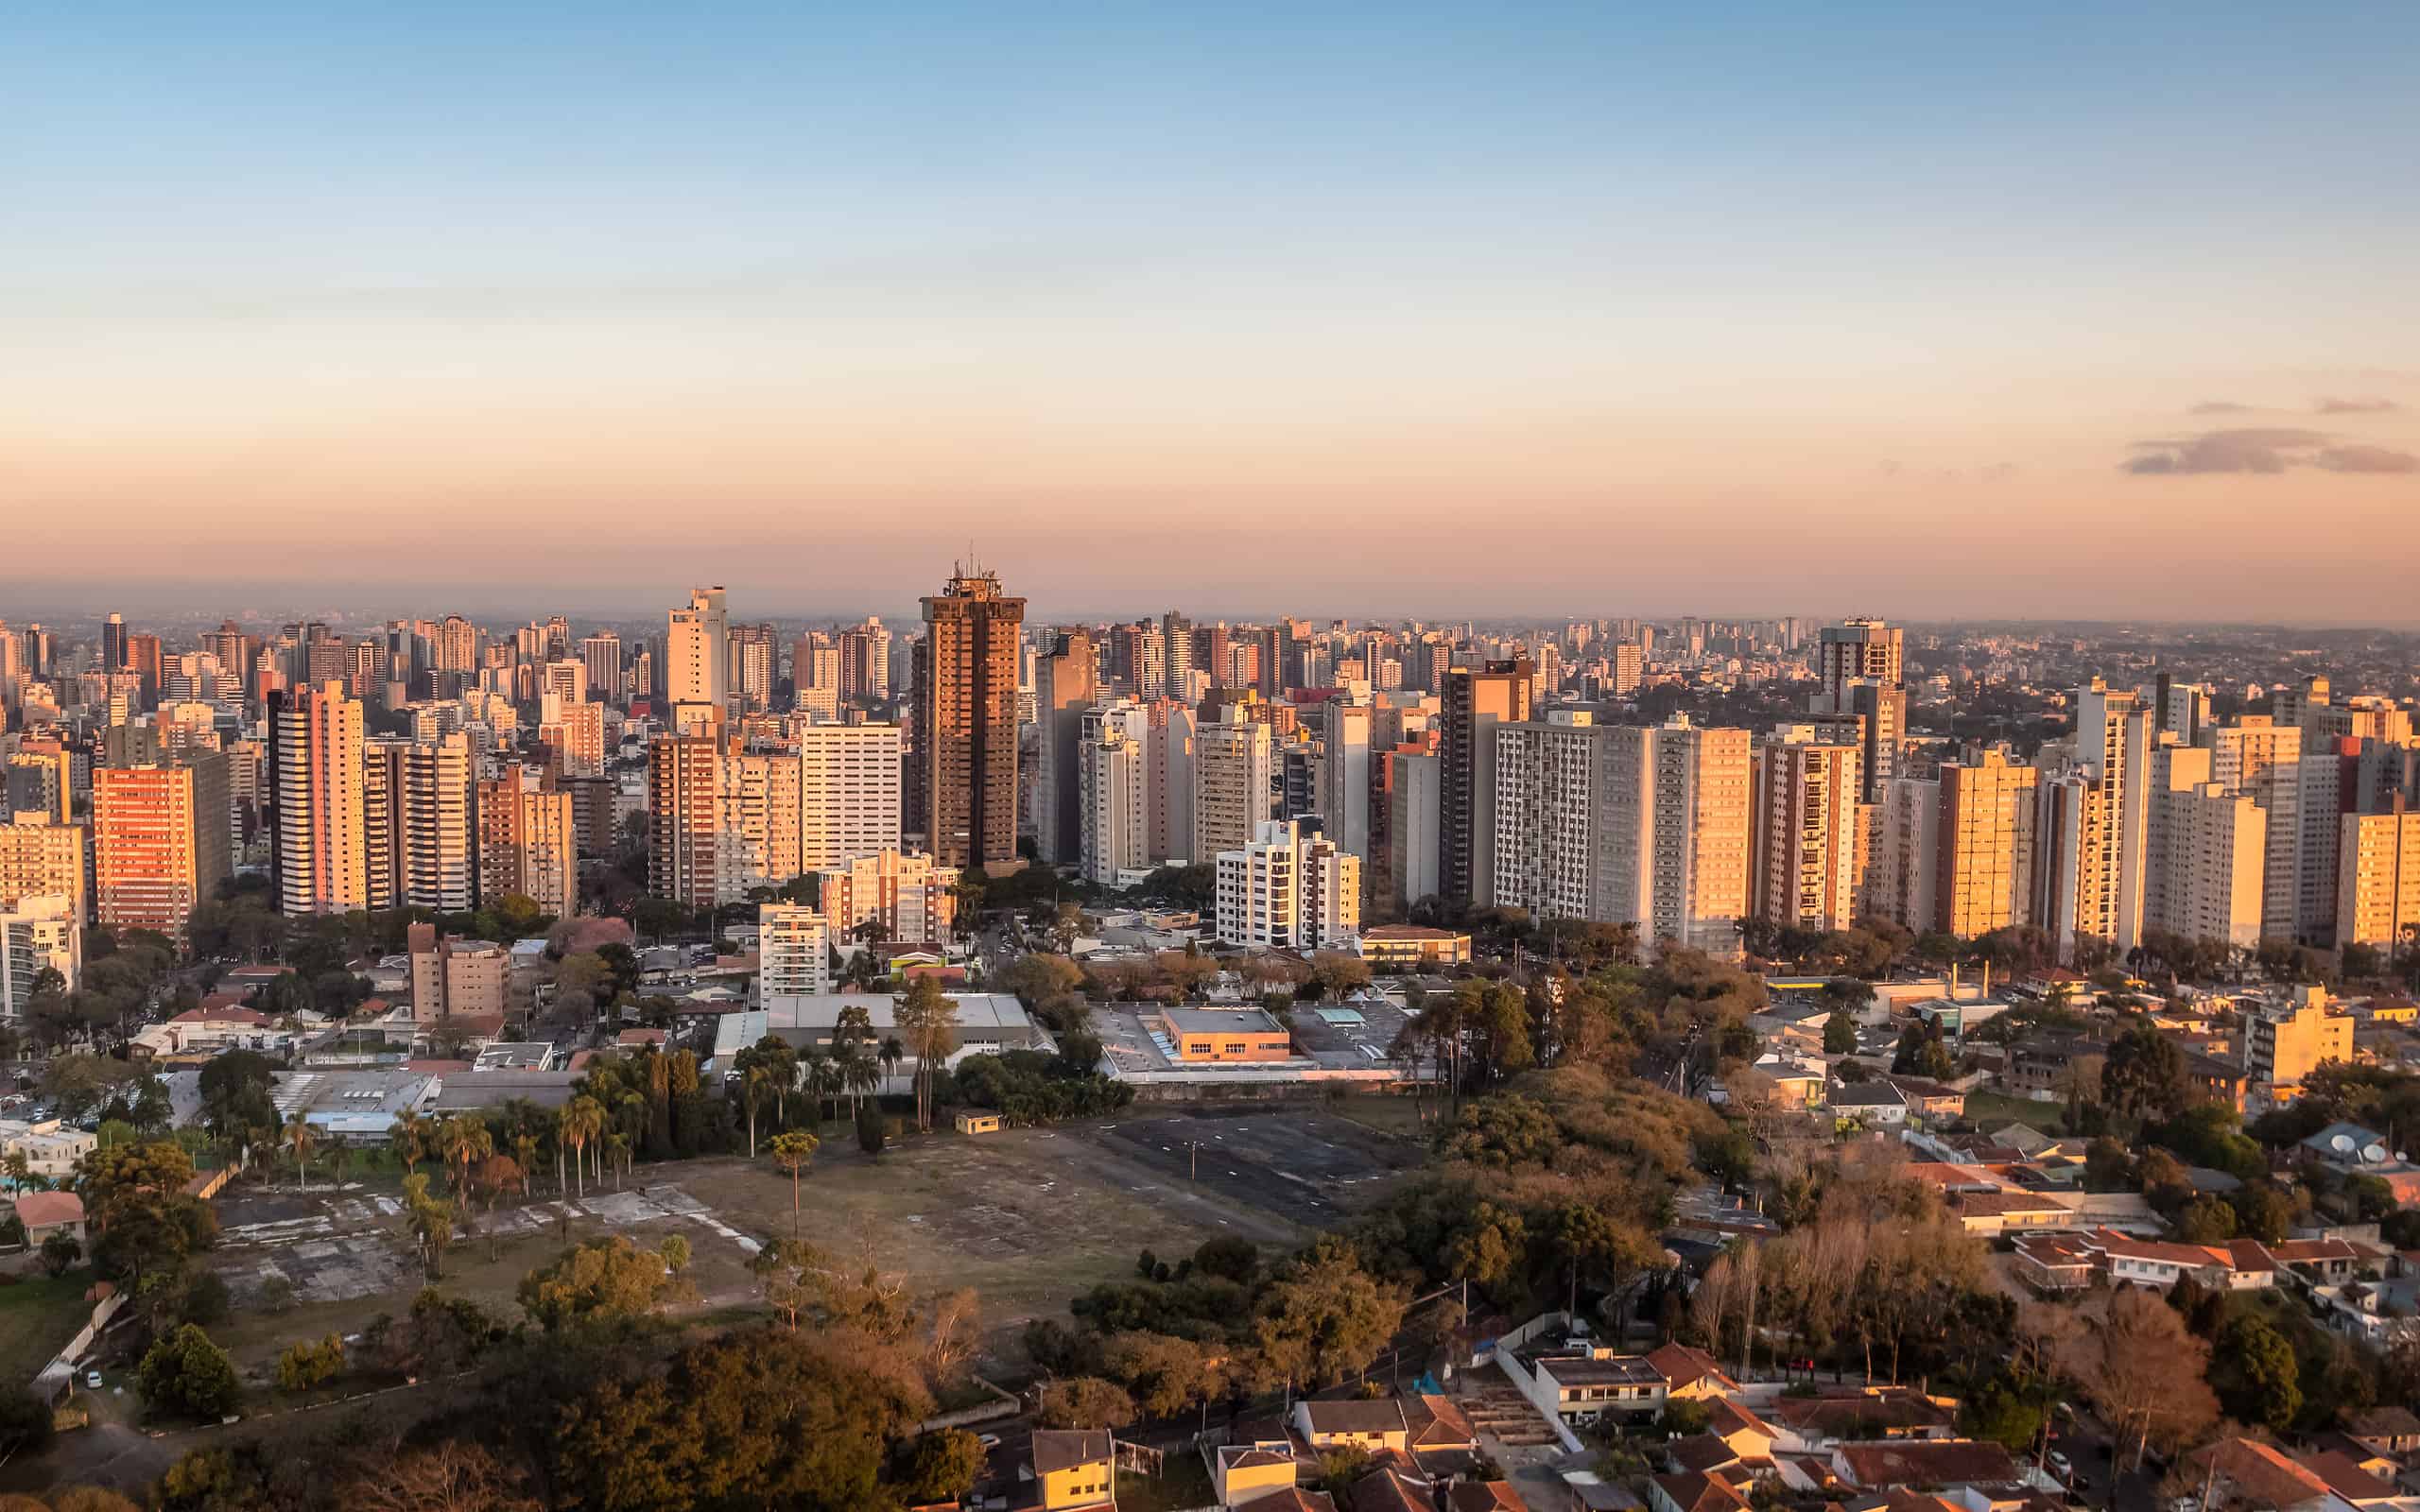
(1906, 862)
(2212, 874)
(753, 656)
(41, 857)
(1552, 782)
(684, 805)
(2377, 878)
(1860, 668)
(1066, 683)
(1284, 891)
(114, 642)
(697, 661)
(1344, 775)
(315, 758)
(528, 840)
(1474, 699)
(439, 866)
(1983, 845)
(601, 655)
(1413, 837)
(1805, 841)
(1112, 793)
(2091, 827)
(907, 898)
(161, 842)
(966, 721)
(39, 932)
(849, 797)
(2262, 759)
(794, 945)
(1233, 770)
(1859, 650)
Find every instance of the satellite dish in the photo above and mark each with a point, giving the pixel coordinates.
(2373, 1152)
(2341, 1144)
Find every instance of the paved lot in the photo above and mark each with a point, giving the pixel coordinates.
(1303, 1164)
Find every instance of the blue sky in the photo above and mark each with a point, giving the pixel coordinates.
(1047, 269)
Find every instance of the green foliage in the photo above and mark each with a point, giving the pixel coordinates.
(2143, 1077)
(305, 1365)
(1840, 1033)
(185, 1375)
(939, 1466)
(25, 1424)
(59, 1252)
(1084, 1401)
(2205, 1221)
(2208, 1133)
(758, 1419)
(2262, 1212)
(605, 1280)
(1027, 1087)
(2253, 1371)
(2003, 1414)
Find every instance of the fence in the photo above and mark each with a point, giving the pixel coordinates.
(62, 1369)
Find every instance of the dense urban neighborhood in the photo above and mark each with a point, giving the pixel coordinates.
(1446, 1068)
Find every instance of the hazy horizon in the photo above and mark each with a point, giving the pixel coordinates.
(1457, 310)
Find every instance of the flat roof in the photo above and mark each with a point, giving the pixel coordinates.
(1223, 1021)
(822, 1010)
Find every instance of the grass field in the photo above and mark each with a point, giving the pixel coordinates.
(1990, 1111)
(1029, 1218)
(38, 1315)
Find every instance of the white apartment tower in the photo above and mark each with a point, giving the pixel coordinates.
(1231, 778)
(1286, 892)
(848, 799)
(794, 945)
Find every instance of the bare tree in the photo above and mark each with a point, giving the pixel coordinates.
(2142, 1368)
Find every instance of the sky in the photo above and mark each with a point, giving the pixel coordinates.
(1928, 310)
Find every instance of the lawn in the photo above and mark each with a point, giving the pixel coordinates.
(37, 1316)
(1991, 1111)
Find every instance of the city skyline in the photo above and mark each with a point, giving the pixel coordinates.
(1860, 297)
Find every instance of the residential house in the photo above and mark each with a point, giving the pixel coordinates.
(2381, 1314)
(45, 1214)
(1585, 1387)
(1074, 1468)
(1245, 1471)
(1930, 1099)
(1689, 1491)
(2056, 1263)
(1924, 1464)
(1372, 1425)
(1873, 1104)
(2240, 1265)
(2244, 1471)
(1835, 1417)
(50, 1147)
(2327, 1261)
(1286, 1499)
(2393, 1430)
(1690, 1374)
(2006, 1210)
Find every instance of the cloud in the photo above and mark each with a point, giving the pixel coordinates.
(2366, 459)
(2354, 407)
(2219, 407)
(2253, 449)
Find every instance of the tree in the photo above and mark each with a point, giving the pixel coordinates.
(2254, 1369)
(305, 1365)
(583, 1120)
(447, 1476)
(760, 1418)
(608, 1279)
(939, 1467)
(300, 1141)
(1840, 1033)
(1084, 1401)
(1325, 1318)
(2205, 1221)
(2143, 1370)
(430, 1222)
(185, 1375)
(60, 1251)
(1163, 1374)
(25, 1424)
(794, 1150)
(2143, 1077)
(2262, 1212)
(927, 1019)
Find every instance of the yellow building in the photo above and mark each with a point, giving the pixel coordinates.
(40, 856)
(1074, 1467)
(1413, 945)
(2377, 878)
(2282, 1044)
(1224, 1034)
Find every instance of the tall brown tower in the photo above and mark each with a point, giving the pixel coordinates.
(966, 721)
(1477, 699)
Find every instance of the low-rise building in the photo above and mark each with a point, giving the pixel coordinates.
(1222, 1035)
(1414, 947)
(1074, 1468)
(51, 1149)
(45, 1214)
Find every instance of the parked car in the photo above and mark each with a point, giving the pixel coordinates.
(91, 1380)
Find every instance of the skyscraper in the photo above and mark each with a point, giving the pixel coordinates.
(966, 721)
(438, 869)
(602, 655)
(1474, 699)
(1233, 765)
(1983, 845)
(160, 841)
(1112, 786)
(684, 815)
(697, 661)
(528, 841)
(321, 860)
(1066, 683)
(1806, 845)
(849, 797)
(114, 642)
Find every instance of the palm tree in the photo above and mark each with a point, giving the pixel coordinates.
(298, 1140)
(409, 1127)
(854, 1069)
(814, 1074)
(617, 1153)
(583, 1120)
(892, 1054)
(525, 1152)
(753, 1088)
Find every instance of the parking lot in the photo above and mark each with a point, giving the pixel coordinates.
(1302, 1164)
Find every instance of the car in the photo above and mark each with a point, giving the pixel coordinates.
(91, 1380)
(989, 1441)
(2061, 1466)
